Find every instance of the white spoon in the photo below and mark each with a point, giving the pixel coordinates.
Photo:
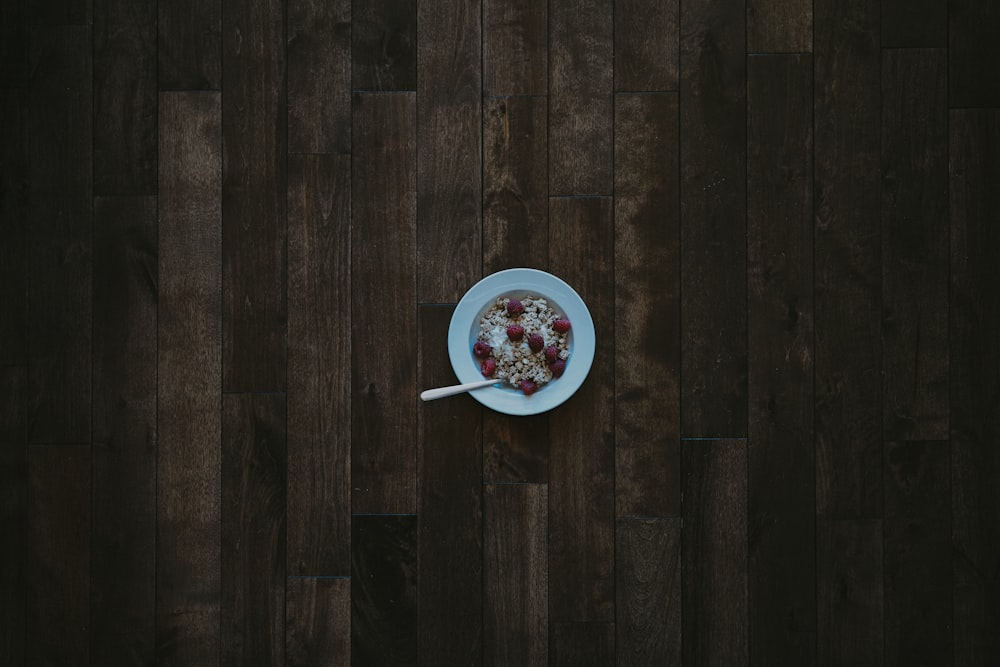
(441, 392)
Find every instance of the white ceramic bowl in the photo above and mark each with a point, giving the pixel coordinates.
(464, 330)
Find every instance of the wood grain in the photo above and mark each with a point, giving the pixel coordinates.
(319, 365)
(515, 574)
(779, 26)
(515, 47)
(782, 496)
(14, 33)
(917, 558)
(923, 23)
(849, 592)
(581, 434)
(318, 617)
(123, 497)
(61, 13)
(714, 553)
(581, 78)
(124, 97)
(253, 528)
(318, 57)
(57, 551)
(189, 378)
(647, 45)
(254, 262)
(582, 644)
(383, 273)
(450, 584)
(975, 360)
(189, 46)
(914, 244)
(384, 590)
(648, 591)
(14, 216)
(647, 306)
(449, 149)
(972, 30)
(848, 409)
(13, 511)
(59, 255)
(383, 45)
(713, 220)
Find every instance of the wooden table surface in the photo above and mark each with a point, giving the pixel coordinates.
(233, 235)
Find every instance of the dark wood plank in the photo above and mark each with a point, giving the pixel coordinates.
(973, 26)
(125, 97)
(383, 277)
(253, 528)
(14, 215)
(515, 205)
(714, 553)
(574, 644)
(581, 434)
(189, 378)
(975, 381)
(59, 234)
(848, 410)
(515, 574)
(909, 23)
(14, 20)
(57, 608)
(383, 45)
(450, 531)
(647, 306)
(449, 149)
(515, 233)
(782, 563)
(914, 244)
(779, 26)
(318, 630)
(647, 45)
(124, 454)
(13, 512)
(189, 46)
(319, 76)
(917, 553)
(515, 47)
(319, 365)
(384, 590)
(581, 78)
(254, 271)
(648, 591)
(61, 12)
(713, 220)
(849, 592)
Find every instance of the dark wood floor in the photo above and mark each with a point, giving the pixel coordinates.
(232, 238)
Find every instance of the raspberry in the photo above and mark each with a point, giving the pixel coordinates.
(481, 349)
(488, 367)
(515, 332)
(551, 354)
(558, 367)
(536, 342)
(561, 326)
(528, 387)
(514, 308)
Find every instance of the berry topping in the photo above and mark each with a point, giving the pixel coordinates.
(561, 326)
(488, 367)
(514, 308)
(551, 354)
(515, 332)
(481, 349)
(536, 342)
(558, 367)
(528, 387)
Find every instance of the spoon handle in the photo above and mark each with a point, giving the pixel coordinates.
(441, 392)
